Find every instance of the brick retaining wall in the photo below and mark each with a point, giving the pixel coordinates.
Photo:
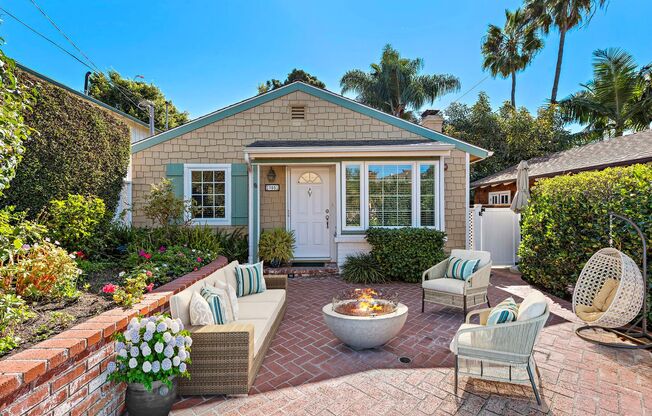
(66, 375)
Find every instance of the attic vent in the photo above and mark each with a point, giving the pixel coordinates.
(298, 112)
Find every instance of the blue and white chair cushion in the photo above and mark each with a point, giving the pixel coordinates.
(249, 279)
(505, 311)
(217, 301)
(460, 268)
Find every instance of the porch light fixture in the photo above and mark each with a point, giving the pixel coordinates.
(271, 175)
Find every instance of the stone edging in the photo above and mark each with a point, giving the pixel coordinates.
(24, 372)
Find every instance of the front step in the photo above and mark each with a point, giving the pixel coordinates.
(328, 269)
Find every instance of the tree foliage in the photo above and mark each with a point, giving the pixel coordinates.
(509, 50)
(15, 100)
(293, 76)
(80, 149)
(512, 134)
(396, 85)
(618, 98)
(125, 95)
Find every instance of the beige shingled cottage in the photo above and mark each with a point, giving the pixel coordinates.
(315, 162)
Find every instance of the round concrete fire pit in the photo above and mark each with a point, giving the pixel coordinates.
(365, 318)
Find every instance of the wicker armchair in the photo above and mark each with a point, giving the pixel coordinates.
(223, 359)
(501, 352)
(454, 292)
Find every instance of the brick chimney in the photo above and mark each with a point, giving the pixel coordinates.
(433, 120)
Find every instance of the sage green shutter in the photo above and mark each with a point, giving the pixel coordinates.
(174, 172)
(239, 194)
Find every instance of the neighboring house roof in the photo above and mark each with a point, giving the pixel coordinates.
(624, 150)
(84, 96)
(336, 143)
(319, 93)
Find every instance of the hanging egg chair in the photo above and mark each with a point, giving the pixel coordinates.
(610, 293)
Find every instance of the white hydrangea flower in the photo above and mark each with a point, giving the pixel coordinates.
(180, 341)
(111, 367)
(167, 337)
(146, 350)
(123, 353)
(150, 326)
(158, 347)
(147, 336)
(166, 364)
(127, 335)
(134, 351)
(174, 327)
(168, 321)
(168, 351)
(188, 341)
(147, 367)
(182, 367)
(156, 366)
(119, 345)
(134, 323)
(133, 363)
(135, 336)
(183, 355)
(176, 361)
(161, 327)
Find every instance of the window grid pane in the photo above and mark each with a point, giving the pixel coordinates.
(427, 188)
(390, 195)
(208, 189)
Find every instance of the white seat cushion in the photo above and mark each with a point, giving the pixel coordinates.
(454, 286)
(533, 306)
(270, 295)
(465, 339)
(260, 310)
(261, 329)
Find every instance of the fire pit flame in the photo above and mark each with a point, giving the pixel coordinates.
(365, 302)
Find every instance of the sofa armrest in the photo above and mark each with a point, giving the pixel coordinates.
(276, 281)
(435, 272)
(483, 314)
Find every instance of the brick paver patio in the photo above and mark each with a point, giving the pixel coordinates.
(307, 371)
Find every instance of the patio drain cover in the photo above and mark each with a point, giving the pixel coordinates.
(405, 360)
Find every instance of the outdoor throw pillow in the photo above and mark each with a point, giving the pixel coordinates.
(217, 300)
(233, 297)
(504, 312)
(200, 311)
(250, 279)
(460, 269)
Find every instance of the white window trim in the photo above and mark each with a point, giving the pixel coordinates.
(499, 194)
(416, 193)
(187, 191)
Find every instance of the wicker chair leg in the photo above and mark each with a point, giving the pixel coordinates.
(534, 386)
(423, 300)
(456, 370)
(487, 296)
(464, 307)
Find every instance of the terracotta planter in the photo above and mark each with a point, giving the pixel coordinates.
(158, 401)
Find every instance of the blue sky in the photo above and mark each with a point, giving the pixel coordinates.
(208, 54)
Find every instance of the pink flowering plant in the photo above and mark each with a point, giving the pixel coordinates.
(168, 262)
(154, 348)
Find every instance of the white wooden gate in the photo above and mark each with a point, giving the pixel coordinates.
(497, 231)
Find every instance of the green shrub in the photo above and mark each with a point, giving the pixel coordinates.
(196, 237)
(276, 246)
(75, 220)
(234, 244)
(131, 291)
(80, 149)
(13, 312)
(168, 262)
(567, 221)
(404, 253)
(16, 231)
(362, 268)
(42, 271)
(162, 206)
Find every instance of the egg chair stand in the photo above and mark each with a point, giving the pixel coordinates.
(633, 336)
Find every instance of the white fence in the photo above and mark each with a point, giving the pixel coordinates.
(497, 231)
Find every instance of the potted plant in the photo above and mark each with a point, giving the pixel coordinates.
(276, 246)
(152, 352)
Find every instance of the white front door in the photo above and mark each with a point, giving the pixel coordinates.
(309, 212)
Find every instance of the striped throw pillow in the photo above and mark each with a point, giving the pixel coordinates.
(250, 279)
(217, 302)
(460, 269)
(505, 311)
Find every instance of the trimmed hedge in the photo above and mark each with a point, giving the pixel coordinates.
(567, 221)
(405, 253)
(78, 148)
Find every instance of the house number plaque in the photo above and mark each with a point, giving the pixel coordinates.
(273, 187)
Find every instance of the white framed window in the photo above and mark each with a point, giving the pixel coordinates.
(208, 186)
(390, 194)
(500, 198)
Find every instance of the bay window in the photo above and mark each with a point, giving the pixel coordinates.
(390, 194)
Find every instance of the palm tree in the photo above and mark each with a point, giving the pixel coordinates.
(511, 49)
(395, 86)
(618, 98)
(564, 15)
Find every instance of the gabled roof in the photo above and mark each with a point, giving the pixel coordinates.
(623, 150)
(79, 94)
(316, 92)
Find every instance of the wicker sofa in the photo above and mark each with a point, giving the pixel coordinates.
(226, 358)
